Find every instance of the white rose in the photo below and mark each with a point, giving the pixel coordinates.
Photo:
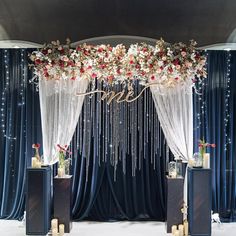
(160, 63)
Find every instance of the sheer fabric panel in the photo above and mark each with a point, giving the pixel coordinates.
(60, 110)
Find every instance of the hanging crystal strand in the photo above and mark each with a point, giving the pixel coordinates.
(117, 138)
(135, 130)
(84, 150)
(123, 138)
(112, 156)
(151, 112)
(86, 140)
(106, 130)
(114, 137)
(131, 137)
(145, 124)
(99, 115)
(140, 128)
(124, 132)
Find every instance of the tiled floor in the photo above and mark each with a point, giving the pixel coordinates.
(16, 228)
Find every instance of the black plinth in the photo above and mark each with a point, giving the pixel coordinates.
(38, 200)
(175, 192)
(62, 188)
(199, 201)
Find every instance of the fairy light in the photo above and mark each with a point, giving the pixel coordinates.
(4, 93)
(227, 97)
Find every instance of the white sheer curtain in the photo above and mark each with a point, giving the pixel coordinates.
(60, 110)
(175, 112)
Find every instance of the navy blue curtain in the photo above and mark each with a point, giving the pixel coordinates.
(215, 113)
(19, 128)
(96, 194)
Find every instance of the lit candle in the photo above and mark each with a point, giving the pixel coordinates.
(34, 162)
(38, 164)
(54, 232)
(185, 228)
(206, 160)
(54, 224)
(173, 229)
(181, 230)
(173, 174)
(61, 229)
(61, 172)
(191, 162)
(176, 233)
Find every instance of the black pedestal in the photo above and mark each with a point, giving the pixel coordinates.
(199, 201)
(63, 201)
(38, 200)
(175, 192)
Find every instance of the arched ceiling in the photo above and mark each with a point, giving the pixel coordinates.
(208, 22)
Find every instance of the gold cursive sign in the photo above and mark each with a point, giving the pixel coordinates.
(119, 97)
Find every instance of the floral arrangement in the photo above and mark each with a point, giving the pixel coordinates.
(203, 145)
(163, 63)
(62, 154)
(36, 146)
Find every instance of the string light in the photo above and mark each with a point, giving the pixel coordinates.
(227, 97)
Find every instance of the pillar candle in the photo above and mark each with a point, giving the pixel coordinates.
(38, 164)
(173, 229)
(185, 228)
(61, 229)
(34, 162)
(54, 232)
(181, 230)
(206, 160)
(54, 224)
(191, 162)
(176, 233)
(61, 172)
(173, 174)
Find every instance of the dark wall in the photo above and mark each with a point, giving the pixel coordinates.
(207, 22)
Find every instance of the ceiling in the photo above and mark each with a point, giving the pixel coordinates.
(208, 22)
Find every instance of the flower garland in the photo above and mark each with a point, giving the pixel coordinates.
(163, 63)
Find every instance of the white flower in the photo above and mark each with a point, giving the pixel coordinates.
(160, 63)
(64, 58)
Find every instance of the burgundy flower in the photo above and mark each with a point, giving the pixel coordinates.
(176, 62)
(36, 145)
(38, 61)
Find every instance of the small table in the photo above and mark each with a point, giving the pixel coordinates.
(199, 201)
(175, 201)
(62, 191)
